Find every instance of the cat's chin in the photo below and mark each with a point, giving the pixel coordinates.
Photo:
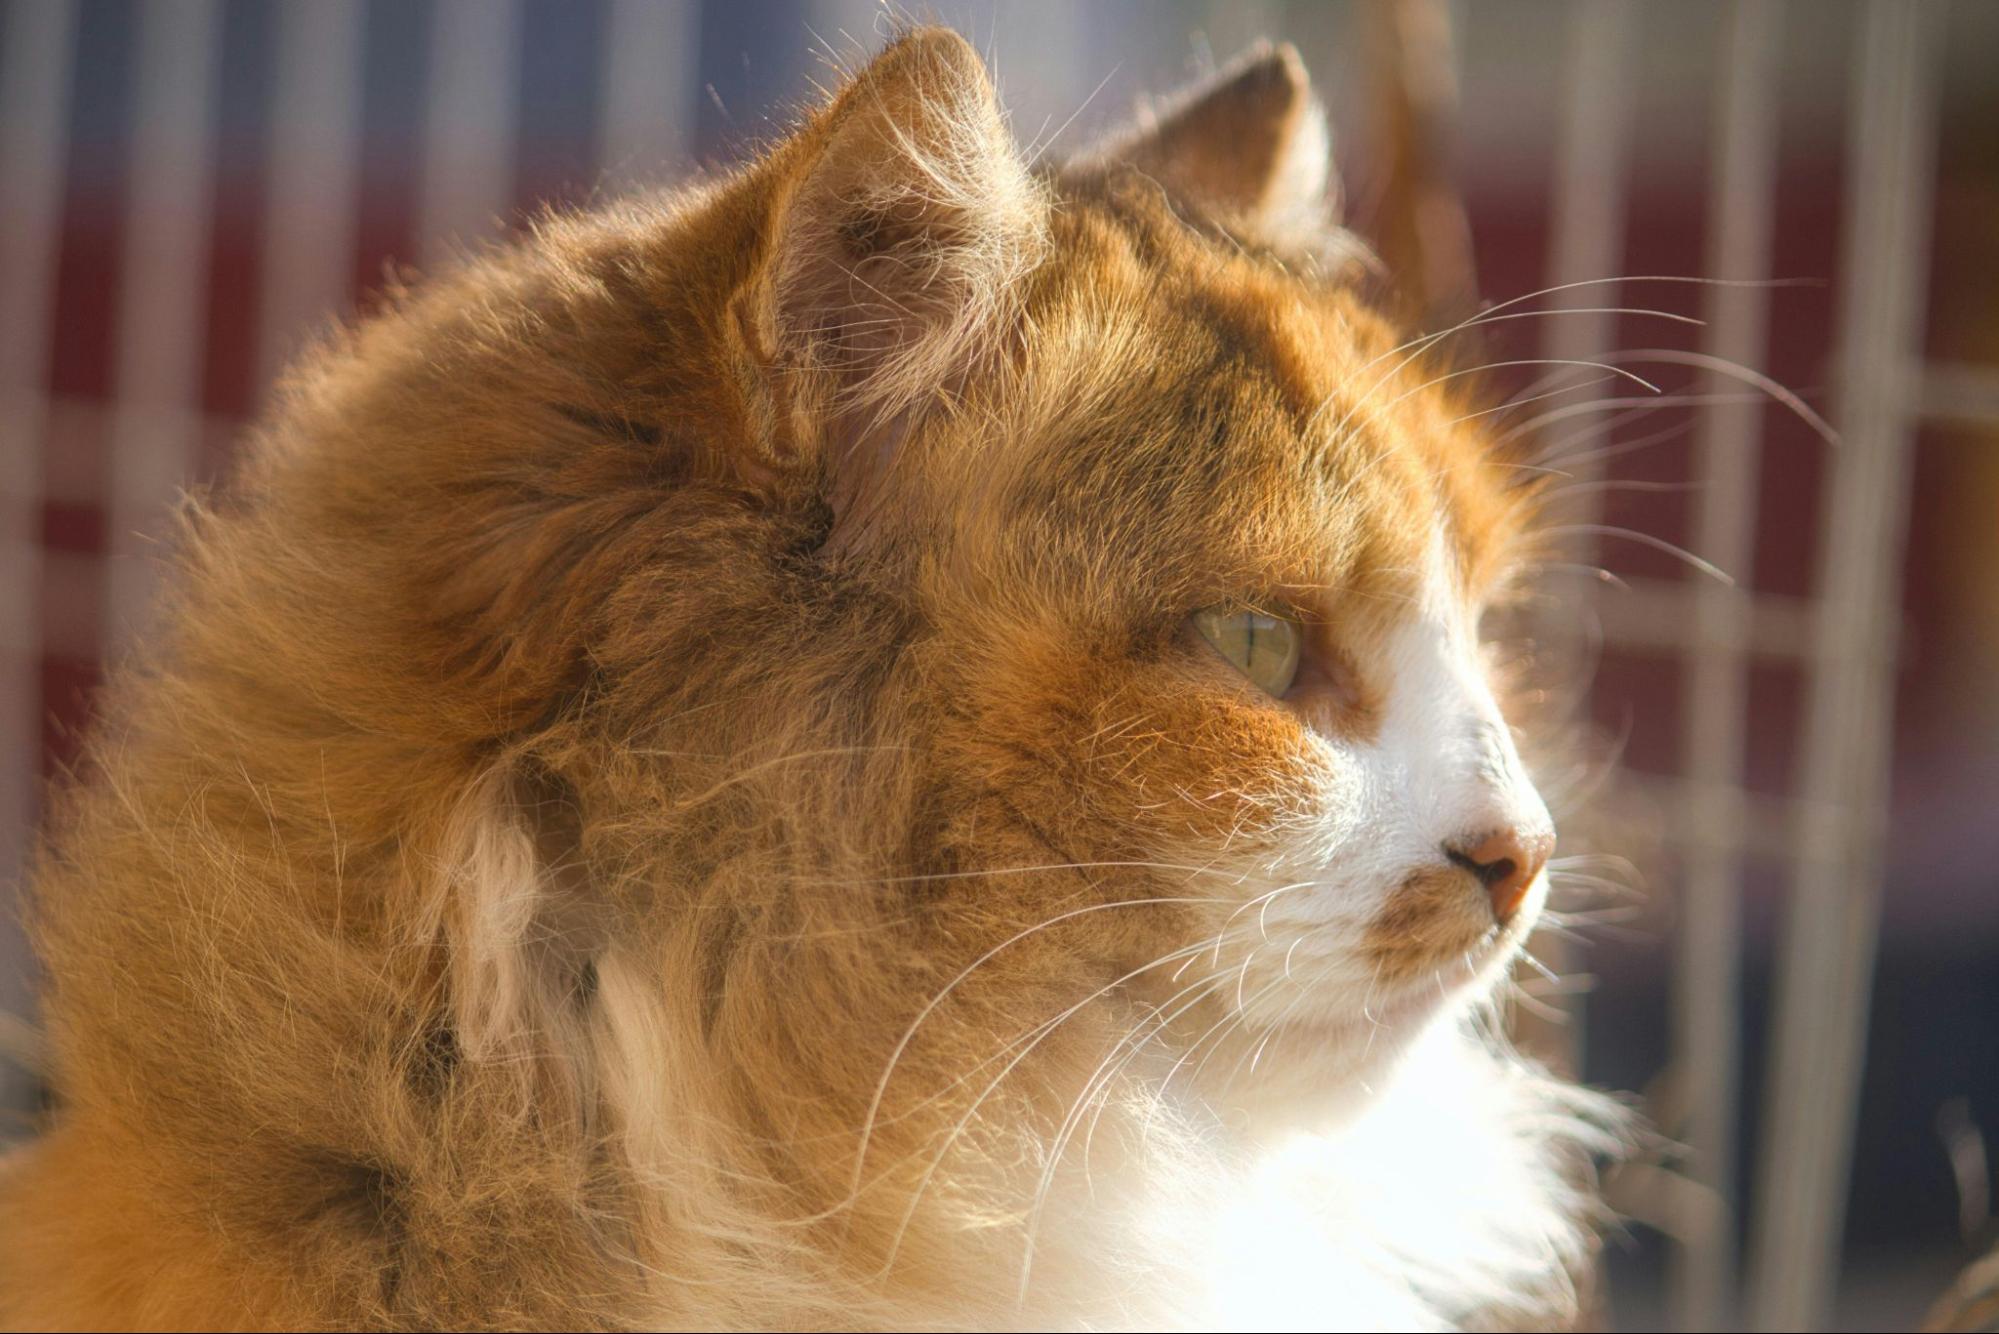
(1317, 1072)
(1324, 1067)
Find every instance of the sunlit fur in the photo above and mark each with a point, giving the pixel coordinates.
(675, 788)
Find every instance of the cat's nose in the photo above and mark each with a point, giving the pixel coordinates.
(1505, 861)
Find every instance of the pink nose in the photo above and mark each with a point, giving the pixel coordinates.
(1505, 862)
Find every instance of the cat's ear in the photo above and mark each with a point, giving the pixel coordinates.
(901, 225)
(1249, 146)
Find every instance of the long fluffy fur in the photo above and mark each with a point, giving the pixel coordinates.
(649, 809)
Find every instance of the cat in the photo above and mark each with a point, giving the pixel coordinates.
(893, 739)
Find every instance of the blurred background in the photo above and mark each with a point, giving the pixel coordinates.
(1806, 993)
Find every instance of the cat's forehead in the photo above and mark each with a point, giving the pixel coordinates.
(1263, 419)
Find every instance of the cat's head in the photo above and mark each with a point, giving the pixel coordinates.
(1192, 550)
(1045, 609)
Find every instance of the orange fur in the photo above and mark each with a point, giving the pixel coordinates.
(667, 710)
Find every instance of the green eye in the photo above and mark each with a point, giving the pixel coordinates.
(1263, 648)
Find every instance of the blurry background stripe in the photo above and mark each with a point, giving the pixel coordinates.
(34, 106)
(156, 424)
(465, 182)
(1706, 989)
(651, 83)
(1827, 959)
(192, 189)
(312, 174)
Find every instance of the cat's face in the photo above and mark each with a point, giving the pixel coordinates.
(1211, 599)
(1199, 554)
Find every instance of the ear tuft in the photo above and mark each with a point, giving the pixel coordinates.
(1250, 146)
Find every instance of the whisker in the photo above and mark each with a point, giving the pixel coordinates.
(902, 1045)
(1043, 142)
(1591, 457)
(1598, 916)
(958, 1129)
(1037, 869)
(1540, 1009)
(1644, 311)
(1132, 1044)
(1094, 1090)
(1240, 1021)
(1528, 958)
(1513, 404)
(1417, 345)
(1597, 572)
(1633, 407)
(1736, 371)
(1618, 371)
(1607, 860)
(1571, 984)
(1624, 485)
(1705, 567)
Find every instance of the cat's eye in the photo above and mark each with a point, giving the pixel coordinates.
(1262, 647)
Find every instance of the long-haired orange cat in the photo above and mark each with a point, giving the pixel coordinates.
(896, 739)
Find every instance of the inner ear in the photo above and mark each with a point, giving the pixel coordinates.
(1249, 146)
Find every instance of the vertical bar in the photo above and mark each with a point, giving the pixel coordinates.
(313, 176)
(469, 124)
(155, 424)
(1586, 240)
(1828, 947)
(1586, 232)
(651, 79)
(1707, 1009)
(35, 57)
(1585, 244)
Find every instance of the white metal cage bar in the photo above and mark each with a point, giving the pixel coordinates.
(1707, 1002)
(1586, 236)
(1826, 964)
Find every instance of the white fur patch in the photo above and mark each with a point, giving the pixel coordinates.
(1442, 768)
(1441, 1177)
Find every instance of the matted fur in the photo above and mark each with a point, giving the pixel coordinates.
(673, 789)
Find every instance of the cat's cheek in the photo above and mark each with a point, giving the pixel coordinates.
(1144, 760)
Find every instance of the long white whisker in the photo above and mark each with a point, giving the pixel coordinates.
(1632, 407)
(1514, 404)
(958, 1129)
(902, 1045)
(1735, 371)
(1638, 380)
(1416, 346)
(1706, 567)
